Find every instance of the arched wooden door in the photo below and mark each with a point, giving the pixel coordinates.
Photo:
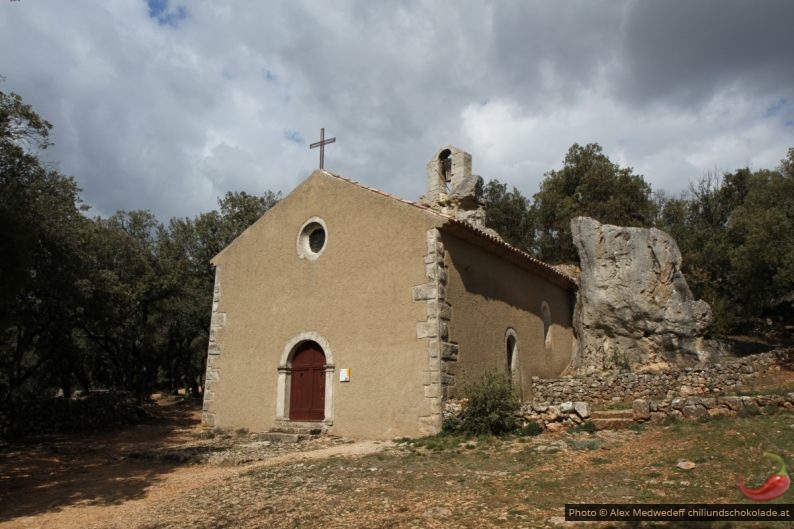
(307, 384)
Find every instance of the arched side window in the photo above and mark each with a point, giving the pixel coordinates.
(511, 351)
(513, 360)
(546, 315)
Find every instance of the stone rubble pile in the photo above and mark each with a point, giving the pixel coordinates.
(554, 417)
(548, 417)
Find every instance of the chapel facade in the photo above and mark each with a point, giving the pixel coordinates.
(360, 313)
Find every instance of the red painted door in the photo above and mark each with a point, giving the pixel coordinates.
(307, 384)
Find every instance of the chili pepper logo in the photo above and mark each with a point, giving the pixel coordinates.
(774, 487)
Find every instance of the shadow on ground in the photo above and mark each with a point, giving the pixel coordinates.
(98, 469)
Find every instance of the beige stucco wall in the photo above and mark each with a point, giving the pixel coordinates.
(488, 296)
(356, 295)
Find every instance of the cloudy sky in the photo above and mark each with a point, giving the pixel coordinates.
(167, 104)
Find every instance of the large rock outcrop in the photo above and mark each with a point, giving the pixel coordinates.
(635, 310)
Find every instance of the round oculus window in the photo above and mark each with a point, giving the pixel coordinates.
(312, 239)
(317, 239)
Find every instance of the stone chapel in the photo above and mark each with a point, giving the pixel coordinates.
(347, 309)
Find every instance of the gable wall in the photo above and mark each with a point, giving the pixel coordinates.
(488, 295)
(357, 295)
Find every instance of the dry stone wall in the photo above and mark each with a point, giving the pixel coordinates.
(668, 384)
(555, 417)
(699, 408)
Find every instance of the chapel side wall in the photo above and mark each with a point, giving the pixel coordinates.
(488, 295)
(357, 296)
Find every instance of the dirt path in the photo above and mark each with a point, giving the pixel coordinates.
(76, 482)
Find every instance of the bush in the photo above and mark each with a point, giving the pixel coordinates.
(95, 412)
(586, 427)
(530, 430)
(491, 406)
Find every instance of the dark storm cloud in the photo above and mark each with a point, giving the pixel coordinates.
(542, 52)
(167, 114)
(682, 52)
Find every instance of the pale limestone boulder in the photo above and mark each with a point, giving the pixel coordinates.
(635, 310)
(641, 410)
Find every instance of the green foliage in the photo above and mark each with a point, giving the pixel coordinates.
(119, 302)
(588, 184)
(509, 214)
(585, 427)
(736, 237)
(94, 412)
(491, 406)
(41, 255)
(530, 430)
(584, 444)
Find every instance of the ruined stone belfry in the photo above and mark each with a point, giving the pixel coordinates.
(453, 190)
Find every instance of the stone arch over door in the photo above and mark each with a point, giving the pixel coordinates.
(300, 347)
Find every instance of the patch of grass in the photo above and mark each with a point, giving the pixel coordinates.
(759, 387)
(436, 443)
(749, 411)
(585, 427)
(670, 420)
(770, 409)
(530, 430)
(584, 444)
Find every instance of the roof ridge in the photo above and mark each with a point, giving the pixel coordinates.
(461, 223)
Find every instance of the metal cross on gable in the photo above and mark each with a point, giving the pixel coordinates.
(321, 144)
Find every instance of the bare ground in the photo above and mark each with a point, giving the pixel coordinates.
(169, 473)
(115, 478)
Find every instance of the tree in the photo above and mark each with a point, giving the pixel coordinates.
(588, 184)
(21, 126)
(185, 249)
(120, 302)
(761, 250)
(509, 214)
(735, 235)
(125, 291)
(40, 261)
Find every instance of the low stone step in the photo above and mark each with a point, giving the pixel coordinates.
(612, 414)
(285, 437)
(612, 423)
(301, 431)
(306, 430)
